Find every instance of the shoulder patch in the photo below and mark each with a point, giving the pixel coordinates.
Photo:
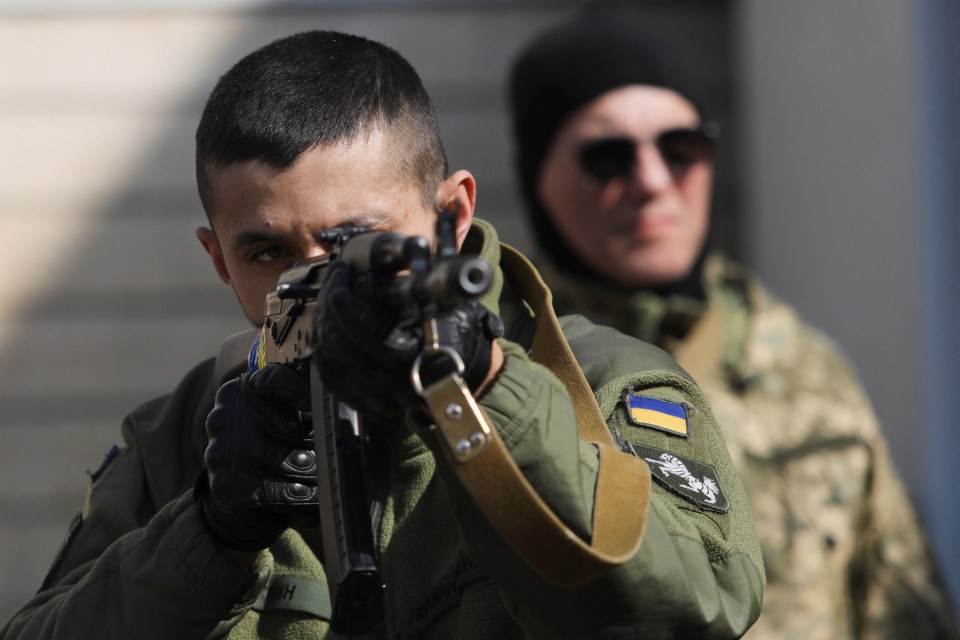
(692, 480)
(663, 415)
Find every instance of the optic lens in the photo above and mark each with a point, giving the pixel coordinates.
(685, 147)
(607, 158)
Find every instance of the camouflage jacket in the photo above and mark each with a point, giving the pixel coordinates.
(844, 553)
(139, 563)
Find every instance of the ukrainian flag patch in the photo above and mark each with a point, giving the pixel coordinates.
(662, 415)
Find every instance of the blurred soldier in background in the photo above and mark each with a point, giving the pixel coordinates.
(615, 159)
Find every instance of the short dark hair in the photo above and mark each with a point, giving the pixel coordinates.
(318, 87)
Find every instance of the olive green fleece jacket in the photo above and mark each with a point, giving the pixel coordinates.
(138, 563)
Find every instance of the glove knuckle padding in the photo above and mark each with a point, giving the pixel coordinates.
(301, 463)
(258, 457)
(289, 496)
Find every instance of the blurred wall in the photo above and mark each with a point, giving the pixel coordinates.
(834, 197)
(937, 84)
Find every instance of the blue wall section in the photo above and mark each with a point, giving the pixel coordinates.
(939, 92)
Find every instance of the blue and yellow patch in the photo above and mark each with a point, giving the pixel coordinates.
(663, 415)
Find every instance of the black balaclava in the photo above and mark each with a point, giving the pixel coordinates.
(563, 69)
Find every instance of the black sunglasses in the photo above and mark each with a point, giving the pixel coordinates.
(609, 158)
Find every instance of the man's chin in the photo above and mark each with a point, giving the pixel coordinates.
(651, 272)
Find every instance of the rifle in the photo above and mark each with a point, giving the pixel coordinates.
(430, 283)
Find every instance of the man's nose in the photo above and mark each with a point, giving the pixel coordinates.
(650, 173)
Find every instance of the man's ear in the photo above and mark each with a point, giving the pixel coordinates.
(210, 244)
(462, 188)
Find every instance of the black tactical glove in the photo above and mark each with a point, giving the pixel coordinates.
(365, 344)
(260, 463)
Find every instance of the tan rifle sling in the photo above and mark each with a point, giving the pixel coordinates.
(511, 505)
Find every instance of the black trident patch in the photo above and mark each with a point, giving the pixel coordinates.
(695, 481)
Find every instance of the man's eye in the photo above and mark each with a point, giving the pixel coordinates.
(270, 254)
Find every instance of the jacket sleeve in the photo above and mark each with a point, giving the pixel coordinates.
(139, 564)
(166, 579)
(698, 571)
